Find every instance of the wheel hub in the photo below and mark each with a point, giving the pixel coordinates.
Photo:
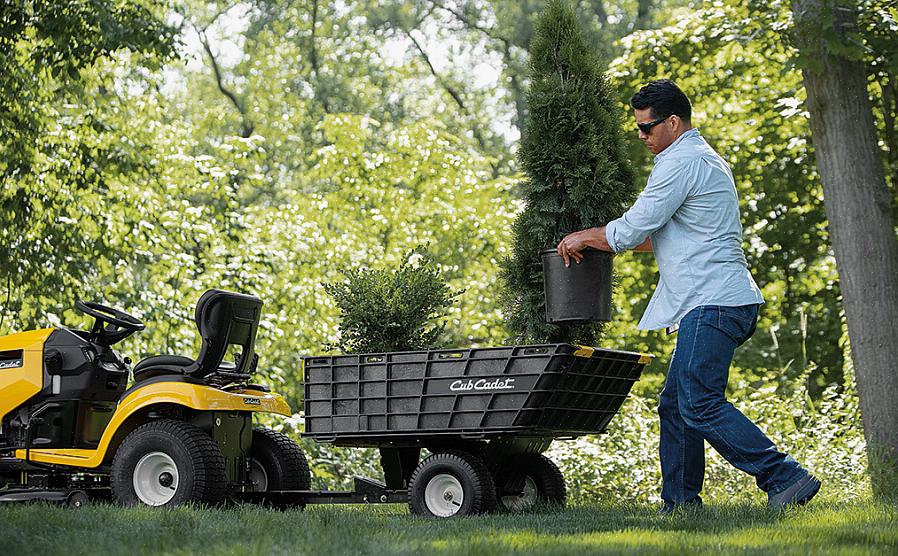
(166, 479)
(444, 495)
(155, 479)
(258, 478)
(524, 501)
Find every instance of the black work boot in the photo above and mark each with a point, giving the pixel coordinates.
(799, 493)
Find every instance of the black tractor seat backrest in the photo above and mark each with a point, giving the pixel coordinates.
(225, 319)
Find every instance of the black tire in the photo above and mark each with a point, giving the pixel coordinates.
(281, 463)
(542, 481)
(184, 456)
(471, 479)
(77, 499)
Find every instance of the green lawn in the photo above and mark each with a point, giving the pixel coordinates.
(852, 528)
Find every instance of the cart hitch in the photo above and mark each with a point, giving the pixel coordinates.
(367, 491)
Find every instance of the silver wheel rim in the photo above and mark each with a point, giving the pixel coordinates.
(524, 501)
(443, 495)
(155, 479)
(257, 476)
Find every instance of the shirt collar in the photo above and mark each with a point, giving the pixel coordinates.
(670, 148)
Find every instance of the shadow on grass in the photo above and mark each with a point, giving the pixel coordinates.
(849, 528)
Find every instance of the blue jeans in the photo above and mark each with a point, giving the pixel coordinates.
(693, 408)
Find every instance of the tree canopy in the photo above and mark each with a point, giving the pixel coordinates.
(152, 150)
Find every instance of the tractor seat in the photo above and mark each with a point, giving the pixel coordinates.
(224, 319)
(178, 362)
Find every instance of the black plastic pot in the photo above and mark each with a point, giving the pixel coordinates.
(580, 293)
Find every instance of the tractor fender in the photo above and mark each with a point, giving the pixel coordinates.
(139, 400)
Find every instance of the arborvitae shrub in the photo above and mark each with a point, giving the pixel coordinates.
(384, 310)
(577, 173)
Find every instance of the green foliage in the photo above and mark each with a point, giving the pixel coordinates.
(131, 185)
(62, 151)
(379, 193)
(577, 171)
(825, 435)
(747, 101)
(45, 45)
(878, 22)
(385, 310)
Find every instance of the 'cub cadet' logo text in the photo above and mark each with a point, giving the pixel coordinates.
(10, 364)
(252, 401)
(482, 384)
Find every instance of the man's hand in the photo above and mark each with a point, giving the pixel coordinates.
(570, 247)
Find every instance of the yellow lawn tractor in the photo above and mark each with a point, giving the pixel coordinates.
(72, 428)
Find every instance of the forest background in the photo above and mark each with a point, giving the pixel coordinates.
(152, 150)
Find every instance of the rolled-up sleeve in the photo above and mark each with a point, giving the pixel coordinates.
(666, 190)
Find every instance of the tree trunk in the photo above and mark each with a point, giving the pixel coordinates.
(643, 14)
(598, 7)
(862, 228)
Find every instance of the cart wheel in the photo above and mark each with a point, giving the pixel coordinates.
(168, 463)
(529, 480)
(451, 484)
(277, 463)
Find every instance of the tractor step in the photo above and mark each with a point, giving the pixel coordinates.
(64, 497)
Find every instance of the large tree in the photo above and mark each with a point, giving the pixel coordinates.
(858, 206)
(59, 152)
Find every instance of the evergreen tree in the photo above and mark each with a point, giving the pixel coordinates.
(577, 174)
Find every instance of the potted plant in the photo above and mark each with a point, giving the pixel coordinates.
(383, 310)
(577, 176)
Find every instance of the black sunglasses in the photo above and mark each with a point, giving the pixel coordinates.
(646, 127)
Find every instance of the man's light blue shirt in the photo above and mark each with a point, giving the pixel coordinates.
(690, 209)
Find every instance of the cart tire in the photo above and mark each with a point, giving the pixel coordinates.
(168, 463)
(277, 463)
(440, 480)
(543, 484)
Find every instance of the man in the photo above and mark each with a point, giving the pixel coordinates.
(688, 215)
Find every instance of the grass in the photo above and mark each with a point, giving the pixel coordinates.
(859, 527)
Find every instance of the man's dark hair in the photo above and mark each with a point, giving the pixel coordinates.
(664, 98)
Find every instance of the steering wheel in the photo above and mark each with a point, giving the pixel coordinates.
(120, 324)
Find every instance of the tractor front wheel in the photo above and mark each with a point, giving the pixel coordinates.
(168, 463)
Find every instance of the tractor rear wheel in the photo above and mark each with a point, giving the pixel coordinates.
(277, 463)
(168, 463)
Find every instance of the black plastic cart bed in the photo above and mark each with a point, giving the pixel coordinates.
(486, 415)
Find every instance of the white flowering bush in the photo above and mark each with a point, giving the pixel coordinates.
(621, 464)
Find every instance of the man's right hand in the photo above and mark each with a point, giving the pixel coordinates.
(571, 246)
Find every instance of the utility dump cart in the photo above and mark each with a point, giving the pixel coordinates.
(485, 415)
